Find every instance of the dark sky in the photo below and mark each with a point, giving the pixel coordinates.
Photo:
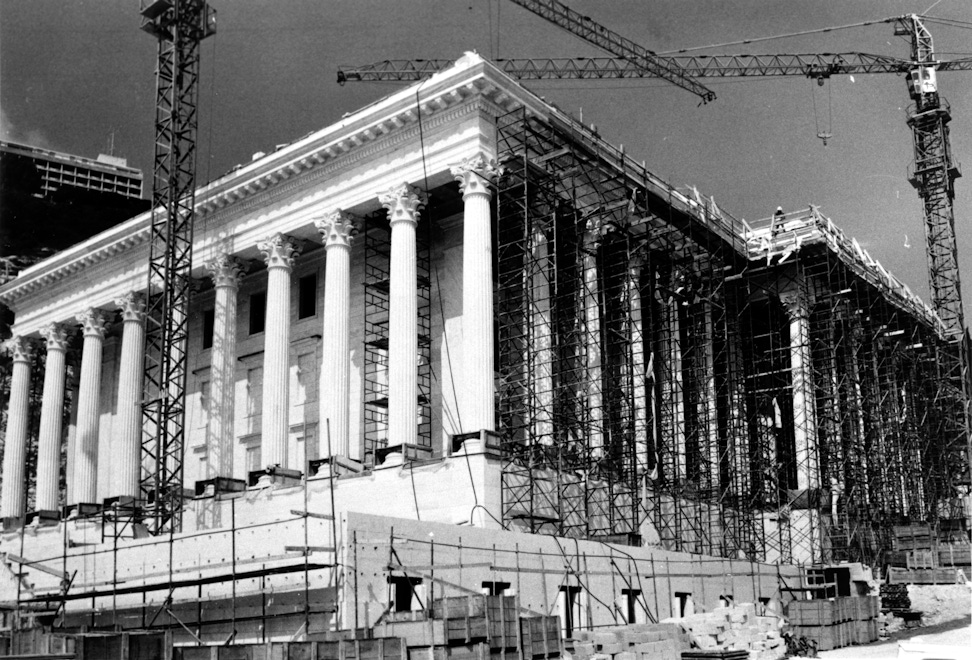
(75, 73)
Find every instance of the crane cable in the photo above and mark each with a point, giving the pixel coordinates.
(823, 135)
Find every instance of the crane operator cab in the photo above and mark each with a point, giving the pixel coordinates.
(922, 80)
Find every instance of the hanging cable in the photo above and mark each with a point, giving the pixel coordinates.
(212, 113)
(823, 135)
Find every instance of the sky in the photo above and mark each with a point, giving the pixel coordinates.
(78, 76)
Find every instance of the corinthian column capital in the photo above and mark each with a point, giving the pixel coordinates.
(279, 251)
(795, 304)
(226, 271)
(56, 336)
(474, 174)
(132, 306)
(337, 228)
(403, 202)
(93, 322)
(19, 348)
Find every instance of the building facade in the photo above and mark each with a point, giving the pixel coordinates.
(458, 307)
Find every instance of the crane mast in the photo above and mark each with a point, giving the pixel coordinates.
(933, 176)
(179, 26)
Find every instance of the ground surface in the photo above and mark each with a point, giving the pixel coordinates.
(954, 633)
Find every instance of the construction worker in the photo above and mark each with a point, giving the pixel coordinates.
(777, 225)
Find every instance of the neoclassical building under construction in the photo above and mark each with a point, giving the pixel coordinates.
(459, 341)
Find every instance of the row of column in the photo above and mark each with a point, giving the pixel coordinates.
(126, 441)
(337, 227)
(403, 203)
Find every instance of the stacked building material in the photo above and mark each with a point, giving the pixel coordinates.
(895, 597)
(735, 628)
(917, 536)
(942, 575)
(640, 641)
(474, 628)
(835, 622)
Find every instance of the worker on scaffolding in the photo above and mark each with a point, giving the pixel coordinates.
(778, 219)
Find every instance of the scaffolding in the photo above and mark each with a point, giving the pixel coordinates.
(670, 374)
(619, 378)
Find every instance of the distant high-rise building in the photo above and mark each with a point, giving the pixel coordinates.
(105, 173)
(51, 200)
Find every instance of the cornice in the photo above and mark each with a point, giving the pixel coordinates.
(472, 86)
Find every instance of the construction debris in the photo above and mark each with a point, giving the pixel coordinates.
(736, 628)
(649, 641)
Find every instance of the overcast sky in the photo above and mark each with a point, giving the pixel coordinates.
(75, 73)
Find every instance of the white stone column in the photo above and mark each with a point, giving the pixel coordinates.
(708, 407)
(804, 524)
(538, 280)
(279, 252)
(13, 494)
(52, 418)
(474, 175)
(334, 395)
(804, 417)
(593, 341)
(403, 203)
(677, 392)
(638, 350)
(126, 443)
(93, 326)
(226, 272)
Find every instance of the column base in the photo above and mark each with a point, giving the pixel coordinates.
(400, 454)
(42, 518)
(80, 510)
(476, 442)
(333, 466)
(275, 476)
(389, 457)
(12, 523)
(219, 486)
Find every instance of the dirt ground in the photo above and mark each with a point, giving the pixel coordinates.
(952, 633)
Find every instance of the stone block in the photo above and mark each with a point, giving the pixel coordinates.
(584, 649)
(611, 648)
(606, 637)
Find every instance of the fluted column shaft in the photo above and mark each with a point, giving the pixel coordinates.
(126, 454)
(335, 380)
(638, 363)
(477, 293)
(13, 495)
(89, 397)
(279, 252)
(804, 417)
(593, 342)
(538, 280)
(402, 203)
(226, 272)
(52, 419)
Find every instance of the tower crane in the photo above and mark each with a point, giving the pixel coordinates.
(933, 172)
(178, 26)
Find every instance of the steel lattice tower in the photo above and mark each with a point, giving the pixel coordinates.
(179, 26)
(934, 178)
